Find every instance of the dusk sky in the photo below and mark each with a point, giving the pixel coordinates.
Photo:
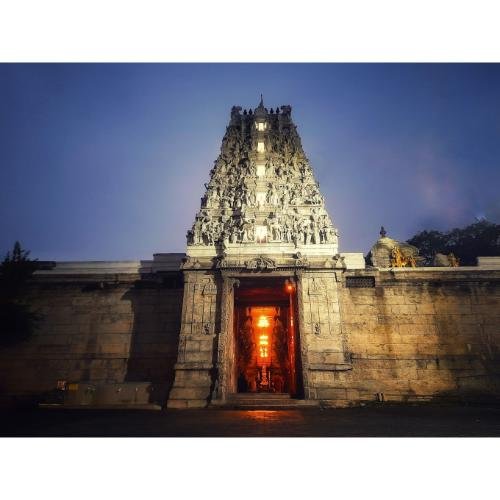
(108, 161)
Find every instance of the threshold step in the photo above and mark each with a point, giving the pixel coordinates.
(259, 395)
(266, 403)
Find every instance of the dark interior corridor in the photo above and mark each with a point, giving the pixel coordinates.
(266, 337)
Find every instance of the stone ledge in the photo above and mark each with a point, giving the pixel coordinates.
(186, 403)
(198, 336)
(118, 406)
(451, 270)
(161, 262)
(330, 367)
(276, 248)
(194, 365)
(488, 262)
(353, 260)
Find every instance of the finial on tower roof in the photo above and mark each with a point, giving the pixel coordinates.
(383, 232)
(260, 110)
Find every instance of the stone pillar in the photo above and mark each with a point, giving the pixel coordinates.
(323, 346)
(302, 335)
(226, 382)
(195, 360)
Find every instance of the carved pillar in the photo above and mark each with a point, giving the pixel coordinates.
(193, 370)
(303, 338)
(343, 334)
(225, 346)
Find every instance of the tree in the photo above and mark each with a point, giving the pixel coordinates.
(481, 238)
(17, 322)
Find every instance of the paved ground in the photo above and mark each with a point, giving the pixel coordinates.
(378, 421)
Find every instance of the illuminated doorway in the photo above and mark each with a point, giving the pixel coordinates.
(266, 337)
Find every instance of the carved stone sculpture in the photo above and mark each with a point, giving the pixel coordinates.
(286, 199)
(260, 263)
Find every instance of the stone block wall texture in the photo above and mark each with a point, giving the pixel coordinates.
(98, 332)
(320, 329)
(199, 321)
(416, 335)
(420, 335)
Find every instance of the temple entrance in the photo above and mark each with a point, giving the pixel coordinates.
(266, 340)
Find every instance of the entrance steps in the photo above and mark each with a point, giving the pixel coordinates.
(263, 400)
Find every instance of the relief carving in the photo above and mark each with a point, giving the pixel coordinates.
(316, 286)
(260, 263)
(210, 289)
(190, 263)
(285, 200)
(300, 260)
(223, 337)
(182, 350)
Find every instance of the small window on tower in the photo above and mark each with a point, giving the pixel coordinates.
(260, 197)
(261, 170)
(260, 234)
(261, 126)
(260, 147)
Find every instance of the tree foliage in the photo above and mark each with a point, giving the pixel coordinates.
(17, 322)
(481, 238)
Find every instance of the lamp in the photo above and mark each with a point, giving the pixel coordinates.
(289, 286)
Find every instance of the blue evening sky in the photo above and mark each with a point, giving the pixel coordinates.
(108, 161)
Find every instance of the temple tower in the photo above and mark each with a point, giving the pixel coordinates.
(260, 309)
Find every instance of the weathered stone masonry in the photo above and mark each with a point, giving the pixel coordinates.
(421, 334)
(99, 328)
(418, 334)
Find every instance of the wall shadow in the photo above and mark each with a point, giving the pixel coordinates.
(156, 303)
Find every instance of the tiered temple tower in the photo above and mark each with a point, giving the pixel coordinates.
(262, 196)
(262, 225)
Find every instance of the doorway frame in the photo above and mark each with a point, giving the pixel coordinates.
(226, 345)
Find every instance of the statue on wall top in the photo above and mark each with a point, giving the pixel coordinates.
(388, 252)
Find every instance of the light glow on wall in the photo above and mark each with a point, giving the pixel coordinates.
(261, 234)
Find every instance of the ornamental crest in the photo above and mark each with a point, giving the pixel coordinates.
(190, 263)
(221, 262)
(260, 263)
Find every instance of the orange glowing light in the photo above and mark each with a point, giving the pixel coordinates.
(289, 286)
(263, 322)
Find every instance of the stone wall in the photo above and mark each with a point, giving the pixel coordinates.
(420, 334)
(394, 335)
(323, 346)
(98, 330)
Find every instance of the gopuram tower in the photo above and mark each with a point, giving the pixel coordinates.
(260, 314)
